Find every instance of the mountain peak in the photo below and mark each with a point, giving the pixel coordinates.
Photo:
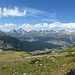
(21, 31)
(64, 31)
(13, 31)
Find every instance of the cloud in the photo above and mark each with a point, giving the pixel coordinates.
(28, 12)
(7, 27)
(43, 16)
(59, 25)
(39, 26)
(39, 13)
(50, 20)
(26, 27)
(46, 26)
(5, 12)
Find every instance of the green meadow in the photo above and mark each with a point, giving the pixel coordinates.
(23, 63)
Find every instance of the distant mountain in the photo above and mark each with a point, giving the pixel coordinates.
(21, 31)
(65, 32)
(63, 37)
(11, 43)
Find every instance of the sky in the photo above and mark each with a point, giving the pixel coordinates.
(37, 14)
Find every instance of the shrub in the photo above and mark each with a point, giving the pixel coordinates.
(34, 61)
(70, 55)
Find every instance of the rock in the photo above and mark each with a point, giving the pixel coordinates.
(64, 65)
(48, 56)
(0, 68)
(53, 59)
(72, 72)
(40, 64)
(36, 62)
(24, 73)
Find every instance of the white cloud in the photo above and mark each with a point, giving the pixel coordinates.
(39, 13)
(31, 12)
(7, 27)
(50, 20)
(26, 12)
(59, 25)
(39, 26)
(5, 12)
(46, 26)
(68, 25)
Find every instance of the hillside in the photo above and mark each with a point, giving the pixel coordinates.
(22, 63)
(8, 42)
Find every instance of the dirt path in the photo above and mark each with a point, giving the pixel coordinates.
(30, 57)
(37, 56)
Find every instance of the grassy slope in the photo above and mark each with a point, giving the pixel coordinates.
(22, 63)
(11, 55)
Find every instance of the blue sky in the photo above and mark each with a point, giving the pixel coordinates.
(37, 14)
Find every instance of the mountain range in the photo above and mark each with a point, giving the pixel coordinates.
(8, 42)
(62, 37)
(36, 40)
